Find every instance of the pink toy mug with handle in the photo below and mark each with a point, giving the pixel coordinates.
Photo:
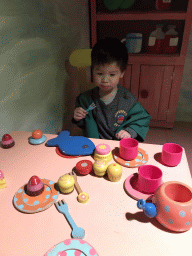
(128, 148)
(149, 179)
(171, 154)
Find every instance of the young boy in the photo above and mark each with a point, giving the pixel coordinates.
(117, 114)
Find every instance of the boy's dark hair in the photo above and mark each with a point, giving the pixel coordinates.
(109, 50)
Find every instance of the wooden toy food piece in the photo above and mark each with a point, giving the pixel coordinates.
(37, 134)
(7, 141)
(103, 152)
(2, 180)
(66, 183)
(100, 167)
(114, 172)
(37, 137)
(35, 186)
(83, 197)
(84, 167)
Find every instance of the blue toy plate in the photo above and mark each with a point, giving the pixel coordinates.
(37, 141)
(72, 145)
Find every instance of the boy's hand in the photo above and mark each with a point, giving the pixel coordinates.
(123, 134)
(79, 114)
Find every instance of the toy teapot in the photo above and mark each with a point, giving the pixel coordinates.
(171, 205)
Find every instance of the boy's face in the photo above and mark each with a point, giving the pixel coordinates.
(107, 76)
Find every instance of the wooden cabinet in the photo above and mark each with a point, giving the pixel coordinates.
(154, 78)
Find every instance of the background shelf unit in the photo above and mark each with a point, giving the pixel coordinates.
(142, 17)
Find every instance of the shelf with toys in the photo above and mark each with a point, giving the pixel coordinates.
(156, 34)
(141, 6)
(109, 18)
(147, 31)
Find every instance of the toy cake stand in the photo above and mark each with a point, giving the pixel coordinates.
(141, 158)
(33, 204)
(71, 247)
(131, 188)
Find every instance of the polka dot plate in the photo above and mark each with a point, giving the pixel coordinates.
(72, 247)
(141, 158)
(34, 204)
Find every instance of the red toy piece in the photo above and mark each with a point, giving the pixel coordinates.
(84, 167)
(37, 134)
(7, 141)
(35, 186)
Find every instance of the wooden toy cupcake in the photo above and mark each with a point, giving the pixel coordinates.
(100, 167)
(103, 152)
(114, 172)
(66, 183)
(35, 186)
(7, 141)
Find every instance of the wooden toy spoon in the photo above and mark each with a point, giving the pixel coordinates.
(83, 197)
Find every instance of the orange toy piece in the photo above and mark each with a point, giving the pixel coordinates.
(2, 180)
(37, 134)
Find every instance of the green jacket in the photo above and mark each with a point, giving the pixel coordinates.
(137, 118)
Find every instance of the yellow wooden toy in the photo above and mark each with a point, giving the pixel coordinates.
(66, 183)
(114, 172)
(100, 167)
(3, 183)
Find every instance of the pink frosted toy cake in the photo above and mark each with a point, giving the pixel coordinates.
(7, 141)
(35, 186)
(103, 152)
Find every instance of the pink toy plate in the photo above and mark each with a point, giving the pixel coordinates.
(141, 158)
(132, 189)
(72, 247)
(33, 204)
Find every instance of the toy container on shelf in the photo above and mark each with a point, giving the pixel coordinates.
(163, 5)
(133, 42)
(156, 40)
(171, 40)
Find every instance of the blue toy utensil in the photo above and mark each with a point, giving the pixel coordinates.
(77, 232)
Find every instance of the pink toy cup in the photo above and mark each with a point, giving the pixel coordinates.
(128, 149)
(149, 179)
(171, 154)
